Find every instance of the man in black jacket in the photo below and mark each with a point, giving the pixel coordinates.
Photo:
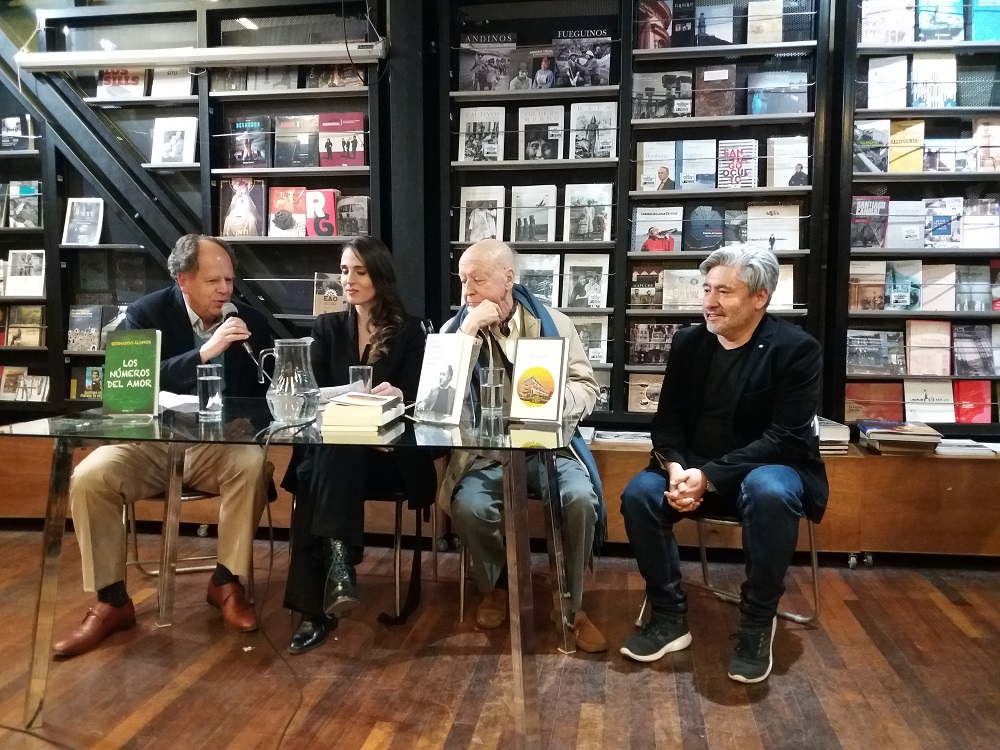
(733, 435)
(189, 317)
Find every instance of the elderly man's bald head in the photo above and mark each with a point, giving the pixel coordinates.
(490, 253)
(486, 270)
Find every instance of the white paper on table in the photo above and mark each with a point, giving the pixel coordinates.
(177, 401)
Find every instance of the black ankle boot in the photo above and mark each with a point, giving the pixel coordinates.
(311, 632)
(341, 594)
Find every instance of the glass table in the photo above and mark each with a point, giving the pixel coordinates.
(248, 421)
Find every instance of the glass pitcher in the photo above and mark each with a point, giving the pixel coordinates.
(293, 396)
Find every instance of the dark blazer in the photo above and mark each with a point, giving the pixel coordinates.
(165, 311)
(773, 408)
(335, 348)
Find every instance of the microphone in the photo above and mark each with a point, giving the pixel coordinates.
(229, 311)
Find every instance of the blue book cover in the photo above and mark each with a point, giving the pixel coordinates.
(985, 16)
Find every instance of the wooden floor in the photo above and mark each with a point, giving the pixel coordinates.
(903, 658)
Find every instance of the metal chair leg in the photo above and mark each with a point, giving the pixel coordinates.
(397, 555)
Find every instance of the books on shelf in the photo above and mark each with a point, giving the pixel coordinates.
(905, 226)
(653, 24)
(787, 161)
(928, 347)
(737, 164)
(538, 383)
(777, 92)
(714, 24)
(656, 165)
(341, 139)
(972, 288)
(734, 230)
(657, 230)
(704, 229)
(887, 21)
(937, 291)
(121, 83)
(484, 61)
(981, 223)
(943, 222)
(775, 227)
(902, 284)
(972, 349)
(24, 204)
(871, 145)
(986, 133)
(582, 60)
(586, 280)
(228, 79)
(875, 352)
(929, 401)
(933, 80)
(972, 402)
(338, 75)
(84, 221)
(875, 400)
(10, 382)
(764, 21)
(328, 293)
(587, 212)
(481, 134)
(273, 78)
(649, 343)
(866, 285)
(132, 372)
(352, 214)
(985, 20)
(783, 298)
(869, 219)
(906, 146)
(482, 213)
(644, 392)
(715, 91)
(539, 272)
(593, 333)
(322, 214)
(940, 20)
(533, 213)
(296, 141)
(661, 95)
(86, 382)
(646, 287)
(25, 274)
(888, 82)
(286, 209)
(593, 130)
(682, 288)
(250, 141)
(170, 83)
(242, 207)
(174, 140)
(25, 326)
(16, 133)
(540, 133)
(86, 322)
(683, 25)
(696, 164)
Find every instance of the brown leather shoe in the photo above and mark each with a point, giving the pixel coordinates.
(231, 599)
(492, 610)
(588, 637)
(100, 621)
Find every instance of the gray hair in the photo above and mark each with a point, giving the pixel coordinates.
(184, 257)
(755, 266)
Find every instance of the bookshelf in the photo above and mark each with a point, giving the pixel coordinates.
(921, 346)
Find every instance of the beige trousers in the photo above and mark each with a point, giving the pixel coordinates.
(113, 475)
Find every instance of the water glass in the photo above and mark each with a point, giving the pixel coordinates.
(360, 378)
(491, 391)
(210, 393)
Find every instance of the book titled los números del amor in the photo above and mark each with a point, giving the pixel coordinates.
(132, 372)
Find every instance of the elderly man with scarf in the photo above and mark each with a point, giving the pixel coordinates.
(499, 312)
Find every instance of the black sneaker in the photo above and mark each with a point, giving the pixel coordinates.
(752, 659)
(661, 635)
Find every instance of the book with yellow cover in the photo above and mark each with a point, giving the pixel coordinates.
(906, 146)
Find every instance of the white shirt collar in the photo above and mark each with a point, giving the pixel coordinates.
(196, 323)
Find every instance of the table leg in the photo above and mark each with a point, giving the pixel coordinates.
(45, 607)
(171, 523)
(555, 532)
(522, 619)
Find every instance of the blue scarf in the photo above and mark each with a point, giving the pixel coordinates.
(548, 327)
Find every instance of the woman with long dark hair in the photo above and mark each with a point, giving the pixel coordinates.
(331, 482)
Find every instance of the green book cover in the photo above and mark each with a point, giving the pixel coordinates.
(132, 372)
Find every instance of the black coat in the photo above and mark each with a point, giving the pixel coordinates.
(165, 311)
(773, 408)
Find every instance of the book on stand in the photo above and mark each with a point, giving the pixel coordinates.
(972, 402)
(871, 145)
(888, 21)
(482, 213)
(972, 348)
(662, 95)
(286, 208)
(586, 280)
(788, 161)
(682, 289)
(539, 272)
(940, 20)
(933, 80)
(928, 348)
(929, 401)
(170, 83)
(714, 25)
(587, 212)
(888, 82)
(715, 91)
(778, 92)
(866, 285)
(737, 164)
(445, 375)
(10, 381)
(986, 133)
(538, 383)
(322, 212)
(646, 288)
(25, 274)
(484, 61)
(533, 213)
(696, 164)
(121, 83)
(984, 16)
(593, 333)
(764, 21)
(242, 207)
(582, 60)
(644, 392)
(869, 217)
(481, 134)
(593, 130)
(972, 288)
(16, 133)
(734, 230)
(657, 230)
(250, 141)
(875, 400)
(84, 221)
(653, 24)
(296, 141)
(705, 227)
(905, 226)
(24, 204)
(902, 284)
(540, 133)
(656, 165)
(683, 25)
(906, 146)
(328, 293)
(175, 140)
(875, 352)
(937, 289)
(273, 78)
(649, 343)
(229, 79)
(341, 139)
(132, 372)
(981, 223)
(943, 222)
(337, 75)
(352, 214)
(775, 227)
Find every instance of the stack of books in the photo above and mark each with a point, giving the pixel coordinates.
(964, 448)
(897, 438)
(364, 418)
(833, 437)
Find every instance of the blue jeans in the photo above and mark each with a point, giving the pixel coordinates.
(769, 505)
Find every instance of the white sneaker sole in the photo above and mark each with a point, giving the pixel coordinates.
(770, 660)
(678, 644)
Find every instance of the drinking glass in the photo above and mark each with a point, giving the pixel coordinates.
(360, 377)
(491, 391)
(210, 392)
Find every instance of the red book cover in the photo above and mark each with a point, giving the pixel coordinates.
(342, 139)
(321, 212)
(972, 402)
(879, 400)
